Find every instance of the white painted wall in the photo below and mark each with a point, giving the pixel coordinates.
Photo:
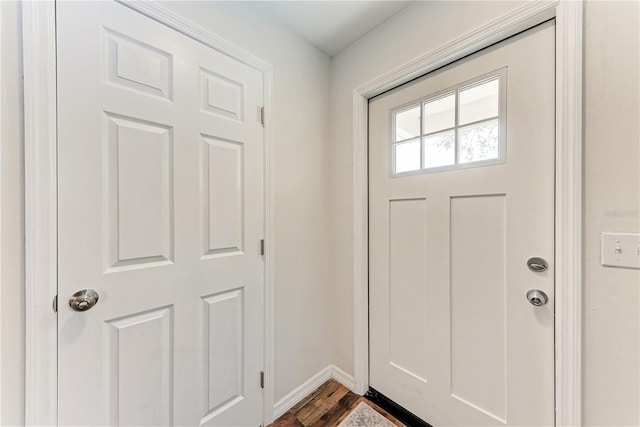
(612, 180)
(300, 118)
(612, 202)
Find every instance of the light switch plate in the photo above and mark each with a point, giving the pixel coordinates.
(620, 250)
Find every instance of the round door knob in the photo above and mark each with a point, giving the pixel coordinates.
(83, 300)
(537, 297)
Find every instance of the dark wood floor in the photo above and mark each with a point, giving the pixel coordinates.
(326, 407)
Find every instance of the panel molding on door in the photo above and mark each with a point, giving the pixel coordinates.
(224, 374)
(408, 227)
(223, 162)
(478, 370)
(137, 66)
(138, 166)
(222, 96)
(125, 375)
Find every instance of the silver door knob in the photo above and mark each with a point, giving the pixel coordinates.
(537, 264)
(537, 297)
(83, 300)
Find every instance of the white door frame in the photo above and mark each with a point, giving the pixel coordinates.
(39, 51)
(568, 178)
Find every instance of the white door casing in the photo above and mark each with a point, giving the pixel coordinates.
(160, 210)
(453, 337)
(568, 177)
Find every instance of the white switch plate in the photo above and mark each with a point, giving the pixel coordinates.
(620, 250)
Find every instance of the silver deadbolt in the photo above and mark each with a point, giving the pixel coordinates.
(537, 264)
(83, 300)
(537, 297)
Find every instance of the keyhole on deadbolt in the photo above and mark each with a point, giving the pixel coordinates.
(537, 298)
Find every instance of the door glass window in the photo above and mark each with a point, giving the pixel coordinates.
(478, 142)
(440, 113)
(407, 155)
(461, 126)
(407, 124)
(479, 101)
(439, 149)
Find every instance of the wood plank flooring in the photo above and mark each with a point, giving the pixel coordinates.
(326, 407)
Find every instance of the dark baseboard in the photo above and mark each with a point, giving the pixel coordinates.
(398, 412)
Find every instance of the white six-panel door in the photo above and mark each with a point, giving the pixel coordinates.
(453, 337)
(161, 212)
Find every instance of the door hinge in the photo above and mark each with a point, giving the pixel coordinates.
(55, 304)
(262, 116)
(262, 247)
(261, 379)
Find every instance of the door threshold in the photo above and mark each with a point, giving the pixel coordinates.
(397, 411)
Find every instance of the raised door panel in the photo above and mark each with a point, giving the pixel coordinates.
(221, 95)
(140, 368)
(408, 287)
(139, 195)
(135, 65)
(223, 198)
(478, 303)
(224, 351)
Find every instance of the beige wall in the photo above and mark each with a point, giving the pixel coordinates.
(611, 203)
(612, 180)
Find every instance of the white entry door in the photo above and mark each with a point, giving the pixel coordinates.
(461, 182)
(160, 161)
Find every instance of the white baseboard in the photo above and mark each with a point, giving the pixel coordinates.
(343, 378)
(300, 392)
(309, 386)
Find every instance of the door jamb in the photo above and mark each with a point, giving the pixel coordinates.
(568, 176)
(40, 122)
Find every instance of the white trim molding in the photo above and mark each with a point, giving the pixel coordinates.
(269, 236)
(569, 153)
(39, 50)
(41, 221)
(342, 377)
(1, 170)
(568, 238)
(303, 390)
(309, 386)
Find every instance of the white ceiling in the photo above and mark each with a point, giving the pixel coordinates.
(332, 25)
